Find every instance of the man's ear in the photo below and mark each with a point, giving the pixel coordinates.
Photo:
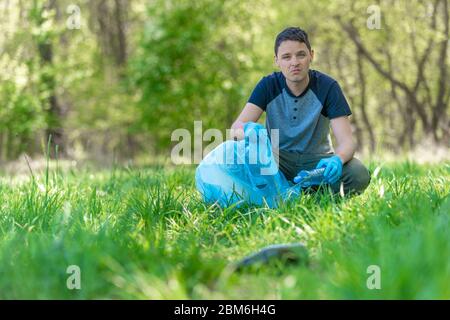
(312, 55)
(275, 60)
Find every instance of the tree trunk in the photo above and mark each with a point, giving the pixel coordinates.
(120, 14)
(109, 23)
(54, 111)
(345, 84)
(439, 112)
(362, 82)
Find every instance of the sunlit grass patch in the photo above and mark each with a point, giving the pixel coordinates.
(145, 233)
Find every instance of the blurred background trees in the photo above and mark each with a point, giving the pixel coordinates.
(113, 78)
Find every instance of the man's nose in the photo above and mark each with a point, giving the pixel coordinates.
(295, 61)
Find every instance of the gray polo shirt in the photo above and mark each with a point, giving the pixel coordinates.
(303, 121)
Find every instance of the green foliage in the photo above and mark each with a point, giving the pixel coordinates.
(199, 61)
(20, 117)
(191, 64)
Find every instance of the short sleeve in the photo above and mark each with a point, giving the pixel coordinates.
(335, 103)
(260, 94)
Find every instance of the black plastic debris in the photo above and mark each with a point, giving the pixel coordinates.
(286, 253)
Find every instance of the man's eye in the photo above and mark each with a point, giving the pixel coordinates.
(302, 55)
(286, 57)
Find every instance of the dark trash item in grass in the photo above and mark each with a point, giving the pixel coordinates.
(287, 253)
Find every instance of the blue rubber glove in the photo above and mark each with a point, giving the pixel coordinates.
(333, 168)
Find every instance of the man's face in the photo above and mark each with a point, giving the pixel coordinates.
(293, 58)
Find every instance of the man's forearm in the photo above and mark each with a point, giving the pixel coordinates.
(345, 151)
(237, 130)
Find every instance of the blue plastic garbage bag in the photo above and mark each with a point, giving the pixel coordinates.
(244, 171)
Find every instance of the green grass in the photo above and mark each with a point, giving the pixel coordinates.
(144, 233)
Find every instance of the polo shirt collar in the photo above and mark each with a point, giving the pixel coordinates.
(304, 91)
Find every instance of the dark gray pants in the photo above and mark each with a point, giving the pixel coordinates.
(355, 176)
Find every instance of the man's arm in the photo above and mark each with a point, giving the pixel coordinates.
(342, 131)
(251, 112)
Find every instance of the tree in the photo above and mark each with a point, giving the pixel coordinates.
(41, 15)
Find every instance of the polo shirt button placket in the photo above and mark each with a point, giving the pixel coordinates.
(295, 109)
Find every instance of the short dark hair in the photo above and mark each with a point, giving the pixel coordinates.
(294, 34)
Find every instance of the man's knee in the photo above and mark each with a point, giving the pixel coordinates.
(356, 175)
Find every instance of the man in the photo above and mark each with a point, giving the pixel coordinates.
(302, 104)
